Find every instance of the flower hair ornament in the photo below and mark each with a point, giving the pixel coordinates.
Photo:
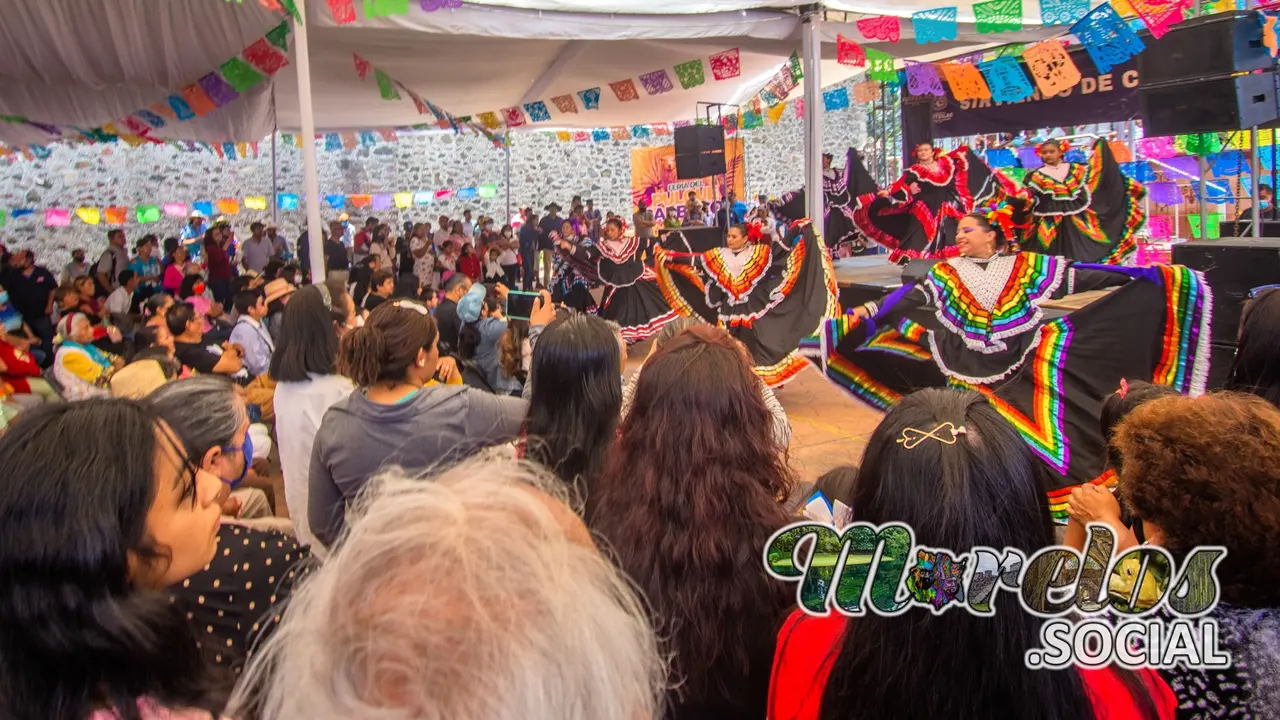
(946, 433)
(754, 232)
(1002, 216)
(1123, 392)
(1063, 145)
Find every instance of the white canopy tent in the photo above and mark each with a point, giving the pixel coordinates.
(85, 63)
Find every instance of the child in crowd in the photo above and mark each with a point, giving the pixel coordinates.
(469, 262)
(493, 270)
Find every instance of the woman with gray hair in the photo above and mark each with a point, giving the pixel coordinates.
(229, 601)
(476, 596)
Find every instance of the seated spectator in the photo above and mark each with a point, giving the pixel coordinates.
(692, 491)
(83, 370)
(304, 366)
(139, 379)
(396, 418)
(155, 308)
(247, 578)
(971, 483)
(277, 294)
(408, 287)
(1256, 367)
(574, 395)
(249, 333)
(549, 629)
(211, 314)
(781, 425)
(1206, 472)
(21, 376)
(91, 532)
(380, 289)
(121, 299)
(195, 352)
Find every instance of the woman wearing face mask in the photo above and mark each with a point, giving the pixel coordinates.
(1084, 211)
(976, 321)
(91, 533)
(769, 296)
(509, 257)
(229, 601)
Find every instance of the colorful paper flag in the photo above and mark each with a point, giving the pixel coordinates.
(966, 81)
(423, 198)
(935, 25)
(383, 201)
(997, 16)
(1121, 152)
(624, 90)
(490, 120)
(197, 100)
(690, 74)
(835, 99)
(148, 214)
(359, 201)
(620, 133)
(774, 114)
(441, 194)
(57, 217)
(880, 66)
(599, 134)
(240, 74)
(386, 86)
(565, 104)
(404, 200)
(886, 27)
(1107, 38)
(217, 89)
(656, 82)
(1005, 80)
(175, 209)
(866, 91)
(1159, 227)
(1269, 39)
(800, 108)
(849, 52)
(204, 207)
(1051, 67)
(538, 111)
(1165, 193)
(255, 203)
(287, 201)
(89, 215)
(362, 66)
(487, 191)
(335, 202)
(384, 8)
(344, 11)
(228, 206)
(266, 58)
(1062, 12)
(581, 136)
(590, 98)
(725, 65)
(564, 135)
(1160, 15)
(116, 215)
(513, 116)
(922, 79)
(349, 140)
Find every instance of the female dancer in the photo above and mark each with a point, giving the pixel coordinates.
(985, 329)
(1083, 211)
(917, 216)
(768, 295)
(631, 296)
(839, 188)
(571, 281)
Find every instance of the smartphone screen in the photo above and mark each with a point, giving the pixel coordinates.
(520, 304)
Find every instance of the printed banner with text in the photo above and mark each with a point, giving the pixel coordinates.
(653, 179)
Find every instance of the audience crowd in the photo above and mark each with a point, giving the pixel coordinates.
(490, 517)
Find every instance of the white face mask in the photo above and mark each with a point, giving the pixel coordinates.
(297, 279)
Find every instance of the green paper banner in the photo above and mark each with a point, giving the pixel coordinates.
(488, 191)
(240, 74)
(148, 213)
(279, 35)
(880, 66)
(386, 87)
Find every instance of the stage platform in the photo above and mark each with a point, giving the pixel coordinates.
(865, 278)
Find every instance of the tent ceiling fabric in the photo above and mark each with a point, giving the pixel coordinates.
(87, 63)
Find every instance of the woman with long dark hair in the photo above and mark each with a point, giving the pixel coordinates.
(1256, 368)
(102, 509)
(970, 482)
(692, 491)
(575, 398)
(981, 321)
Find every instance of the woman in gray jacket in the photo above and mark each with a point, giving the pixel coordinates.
(400, 414)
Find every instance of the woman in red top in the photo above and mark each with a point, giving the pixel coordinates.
(946, 464)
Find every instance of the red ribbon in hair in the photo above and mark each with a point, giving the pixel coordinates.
(1003, 216)
(754, 233)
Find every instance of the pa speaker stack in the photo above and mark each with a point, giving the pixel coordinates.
(1232, 268)
(1207, 74)
(699, 151)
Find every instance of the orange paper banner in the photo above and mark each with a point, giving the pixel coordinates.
(1051, 67)
(116, 215)
(966, 81)
(866, 92)
(198, 100)
(360, 200)
(1120, 151)
(229, 206)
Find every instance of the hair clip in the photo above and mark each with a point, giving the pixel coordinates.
(1124, 388)
(911, 437)
(407, 305)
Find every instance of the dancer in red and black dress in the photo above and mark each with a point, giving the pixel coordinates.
(1083, 211)
(631, 295)
(916, 217)
(769, 295)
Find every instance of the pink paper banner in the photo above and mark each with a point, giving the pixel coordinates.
(57, 217)
(175, 209)
(1160, 227)
(881, 28)
(1159, 148)
(726, 65)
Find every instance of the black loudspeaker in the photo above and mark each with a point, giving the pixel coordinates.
(1219, 44)
(1232, 268)
(1221, 357)
(1211, 105)
(699, 151)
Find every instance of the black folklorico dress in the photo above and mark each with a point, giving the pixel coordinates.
(631, 295)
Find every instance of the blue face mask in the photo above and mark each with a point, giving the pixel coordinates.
(246, 450)
(4, 298)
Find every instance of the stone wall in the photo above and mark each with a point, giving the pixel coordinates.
(543, 169)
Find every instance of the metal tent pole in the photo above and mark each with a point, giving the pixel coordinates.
(812, 50)
(310, 171)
